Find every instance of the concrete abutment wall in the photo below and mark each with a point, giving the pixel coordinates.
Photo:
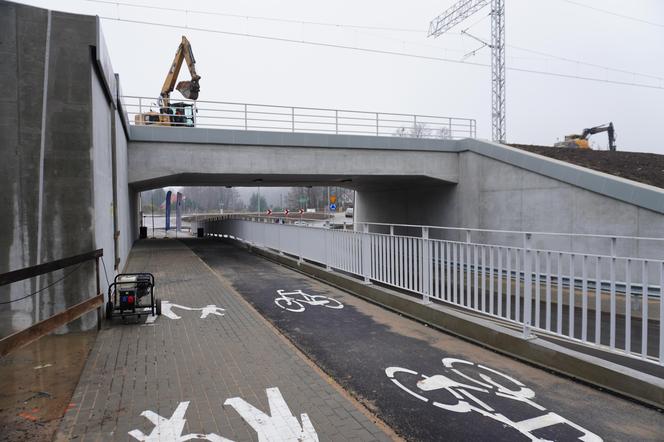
(56, 118)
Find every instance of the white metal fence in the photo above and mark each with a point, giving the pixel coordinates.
(604, 300)
(246, 116)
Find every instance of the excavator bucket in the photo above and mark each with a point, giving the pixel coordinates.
(189, 89)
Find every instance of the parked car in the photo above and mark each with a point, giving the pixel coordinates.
(349, 212)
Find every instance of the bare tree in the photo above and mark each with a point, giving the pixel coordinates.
(417, 130)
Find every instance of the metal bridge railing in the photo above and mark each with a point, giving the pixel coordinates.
(605, 300)
(246, 116)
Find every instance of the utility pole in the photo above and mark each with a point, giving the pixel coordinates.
(456, 14)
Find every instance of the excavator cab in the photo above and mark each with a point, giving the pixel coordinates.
(182, 114)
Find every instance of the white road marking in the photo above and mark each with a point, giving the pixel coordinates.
(170, 430)
(280, 425)
(167, 310)
(150, 319)
(460, 392)
(39, 367)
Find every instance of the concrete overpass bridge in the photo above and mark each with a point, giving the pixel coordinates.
(74, 165)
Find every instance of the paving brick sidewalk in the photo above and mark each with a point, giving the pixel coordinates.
(138, 367)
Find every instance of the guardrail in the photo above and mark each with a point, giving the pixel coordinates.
(607, 301)
(36, 331)
(248, 116)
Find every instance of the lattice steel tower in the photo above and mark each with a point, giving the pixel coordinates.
(457, 14)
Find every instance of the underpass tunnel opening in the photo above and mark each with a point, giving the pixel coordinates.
(169, 210)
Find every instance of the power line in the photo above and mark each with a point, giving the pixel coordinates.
(255, 17)
(571, 60)
(382, 51)
(615, 14)
(379, 28)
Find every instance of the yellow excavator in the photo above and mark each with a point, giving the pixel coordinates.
(580, 141)
(181, 113)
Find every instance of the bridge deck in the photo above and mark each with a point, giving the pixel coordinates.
(437, 384)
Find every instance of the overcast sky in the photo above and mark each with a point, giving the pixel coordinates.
(540, 109)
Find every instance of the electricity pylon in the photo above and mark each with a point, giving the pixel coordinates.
(457, 14)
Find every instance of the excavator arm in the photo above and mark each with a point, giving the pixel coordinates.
(188, 89)
(603, 128)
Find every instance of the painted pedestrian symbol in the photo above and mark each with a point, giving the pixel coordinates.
(466, 387)
(167, 310)
(171, 429)
(294, 301)
(279, 425)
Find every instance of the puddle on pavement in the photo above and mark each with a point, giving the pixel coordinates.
(37, 383)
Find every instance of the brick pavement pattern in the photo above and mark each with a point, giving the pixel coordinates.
(135, 367)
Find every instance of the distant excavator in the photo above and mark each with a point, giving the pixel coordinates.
(576, 141)
(176, 114)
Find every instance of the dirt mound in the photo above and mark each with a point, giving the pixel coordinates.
(647, 168)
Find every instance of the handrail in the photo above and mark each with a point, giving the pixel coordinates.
(30, 334)
(253, 116)
(40, 269)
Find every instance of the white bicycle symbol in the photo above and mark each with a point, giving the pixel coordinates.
(287, 301)
(456, 396)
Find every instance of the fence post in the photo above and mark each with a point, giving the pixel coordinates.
(527, 285)
(377, 133)
(328, 246)
(336, 122)
(245, 117)
(299, 244)
(612, 301)
(140, 106)
(292, 119)
(366, 254)
(392, 230)
(426, 265)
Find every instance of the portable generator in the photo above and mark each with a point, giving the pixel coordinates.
(132, 294)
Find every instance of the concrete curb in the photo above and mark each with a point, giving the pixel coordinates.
(540, 352)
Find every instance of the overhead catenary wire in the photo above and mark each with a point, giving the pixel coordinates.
(382, 28)
(615, 14)
(384, 52)
(264, 18)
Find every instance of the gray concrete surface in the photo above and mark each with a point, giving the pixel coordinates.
(56, 118)
(47, 149)
(203, 361)
(159, 164)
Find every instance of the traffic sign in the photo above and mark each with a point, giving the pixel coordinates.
(333, 199)
(333, 207)
(269, 211)
(301, 211)
(286, 212)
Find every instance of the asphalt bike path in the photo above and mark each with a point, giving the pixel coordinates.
(425, 384)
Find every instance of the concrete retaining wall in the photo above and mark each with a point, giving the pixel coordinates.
(56, 121)
(492, 194)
